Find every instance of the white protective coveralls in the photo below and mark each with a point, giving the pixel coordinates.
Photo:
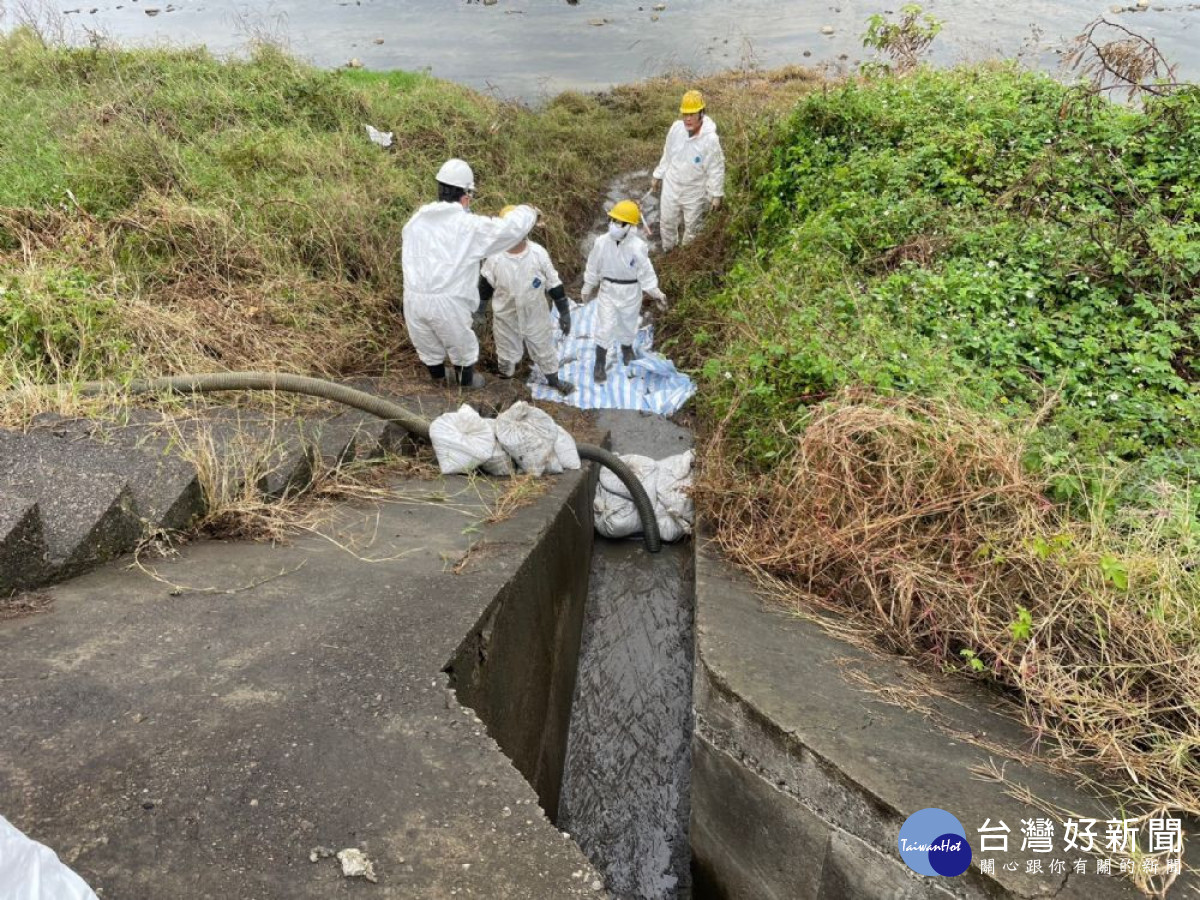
(441, 248)
(621, 272)
(692, 172)
(519, 307)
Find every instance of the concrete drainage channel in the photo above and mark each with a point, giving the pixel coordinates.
(626, 780)
(619, 785)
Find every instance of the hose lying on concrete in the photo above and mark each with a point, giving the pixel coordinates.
(377, 406)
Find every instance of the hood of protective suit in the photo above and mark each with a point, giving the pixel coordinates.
(707, 127)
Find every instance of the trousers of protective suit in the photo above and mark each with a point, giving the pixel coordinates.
(676, 210)
(440, 327)
(517, 324)
(618, 307)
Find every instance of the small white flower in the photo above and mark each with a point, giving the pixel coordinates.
(904, 356)
(729, 376)
(1091, 403)
(1114, 397)
(1030, 295)
(992, 264)
(1012, 323)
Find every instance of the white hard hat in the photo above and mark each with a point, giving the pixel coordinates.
(457, 173)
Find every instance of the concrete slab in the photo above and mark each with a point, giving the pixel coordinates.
(199, 732)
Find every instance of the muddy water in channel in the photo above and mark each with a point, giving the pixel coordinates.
(532, 49)
(626, 787)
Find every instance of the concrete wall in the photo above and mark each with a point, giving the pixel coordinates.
(517, 667)
(803, 777)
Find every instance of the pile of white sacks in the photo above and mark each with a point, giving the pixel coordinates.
(522, 435)
(524, 438)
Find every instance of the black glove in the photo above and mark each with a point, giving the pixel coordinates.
(563, 304)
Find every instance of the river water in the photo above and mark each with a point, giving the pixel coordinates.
(532, 49)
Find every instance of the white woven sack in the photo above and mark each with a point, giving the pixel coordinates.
(565, 450)
(500, 463)
(673, 505)
(462, 440)
(613, 508)
(528, 435)
(32, 871)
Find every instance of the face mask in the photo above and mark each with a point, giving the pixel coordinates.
(617, 230)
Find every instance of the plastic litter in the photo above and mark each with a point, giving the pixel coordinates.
(382, 138)
(32, 871)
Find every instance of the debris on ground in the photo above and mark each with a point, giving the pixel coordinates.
(355, 864)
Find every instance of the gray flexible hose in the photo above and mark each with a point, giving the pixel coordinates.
(270, 381)
(376, 406)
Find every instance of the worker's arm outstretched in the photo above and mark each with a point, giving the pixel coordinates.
(490, 235)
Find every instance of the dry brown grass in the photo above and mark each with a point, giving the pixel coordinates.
(25, 603)
(520, 491)
(916, 521)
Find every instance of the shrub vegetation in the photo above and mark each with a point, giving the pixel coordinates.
(949, 386)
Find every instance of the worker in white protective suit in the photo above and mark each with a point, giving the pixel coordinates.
(517, 283)
(618, 273)
(691, 173)
(442, 246)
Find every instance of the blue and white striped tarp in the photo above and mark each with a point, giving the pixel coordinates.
(650, 383)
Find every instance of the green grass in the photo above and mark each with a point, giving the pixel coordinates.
(235, 213)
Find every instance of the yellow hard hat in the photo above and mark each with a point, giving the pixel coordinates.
(692, 102)
(626, 211)
(507, 209)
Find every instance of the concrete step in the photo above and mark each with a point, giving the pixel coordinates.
(78, 492)
(165, 487)
(23, 556)
(275, 452)
(87, 515)
(194, 442)
(355, 436)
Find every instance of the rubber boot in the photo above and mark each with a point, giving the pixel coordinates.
(467, 377)
(505, 369)
(599, 373)
(438, 372)
(626, 354)
(561, 385)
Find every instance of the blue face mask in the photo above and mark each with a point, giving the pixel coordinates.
(618, 230)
